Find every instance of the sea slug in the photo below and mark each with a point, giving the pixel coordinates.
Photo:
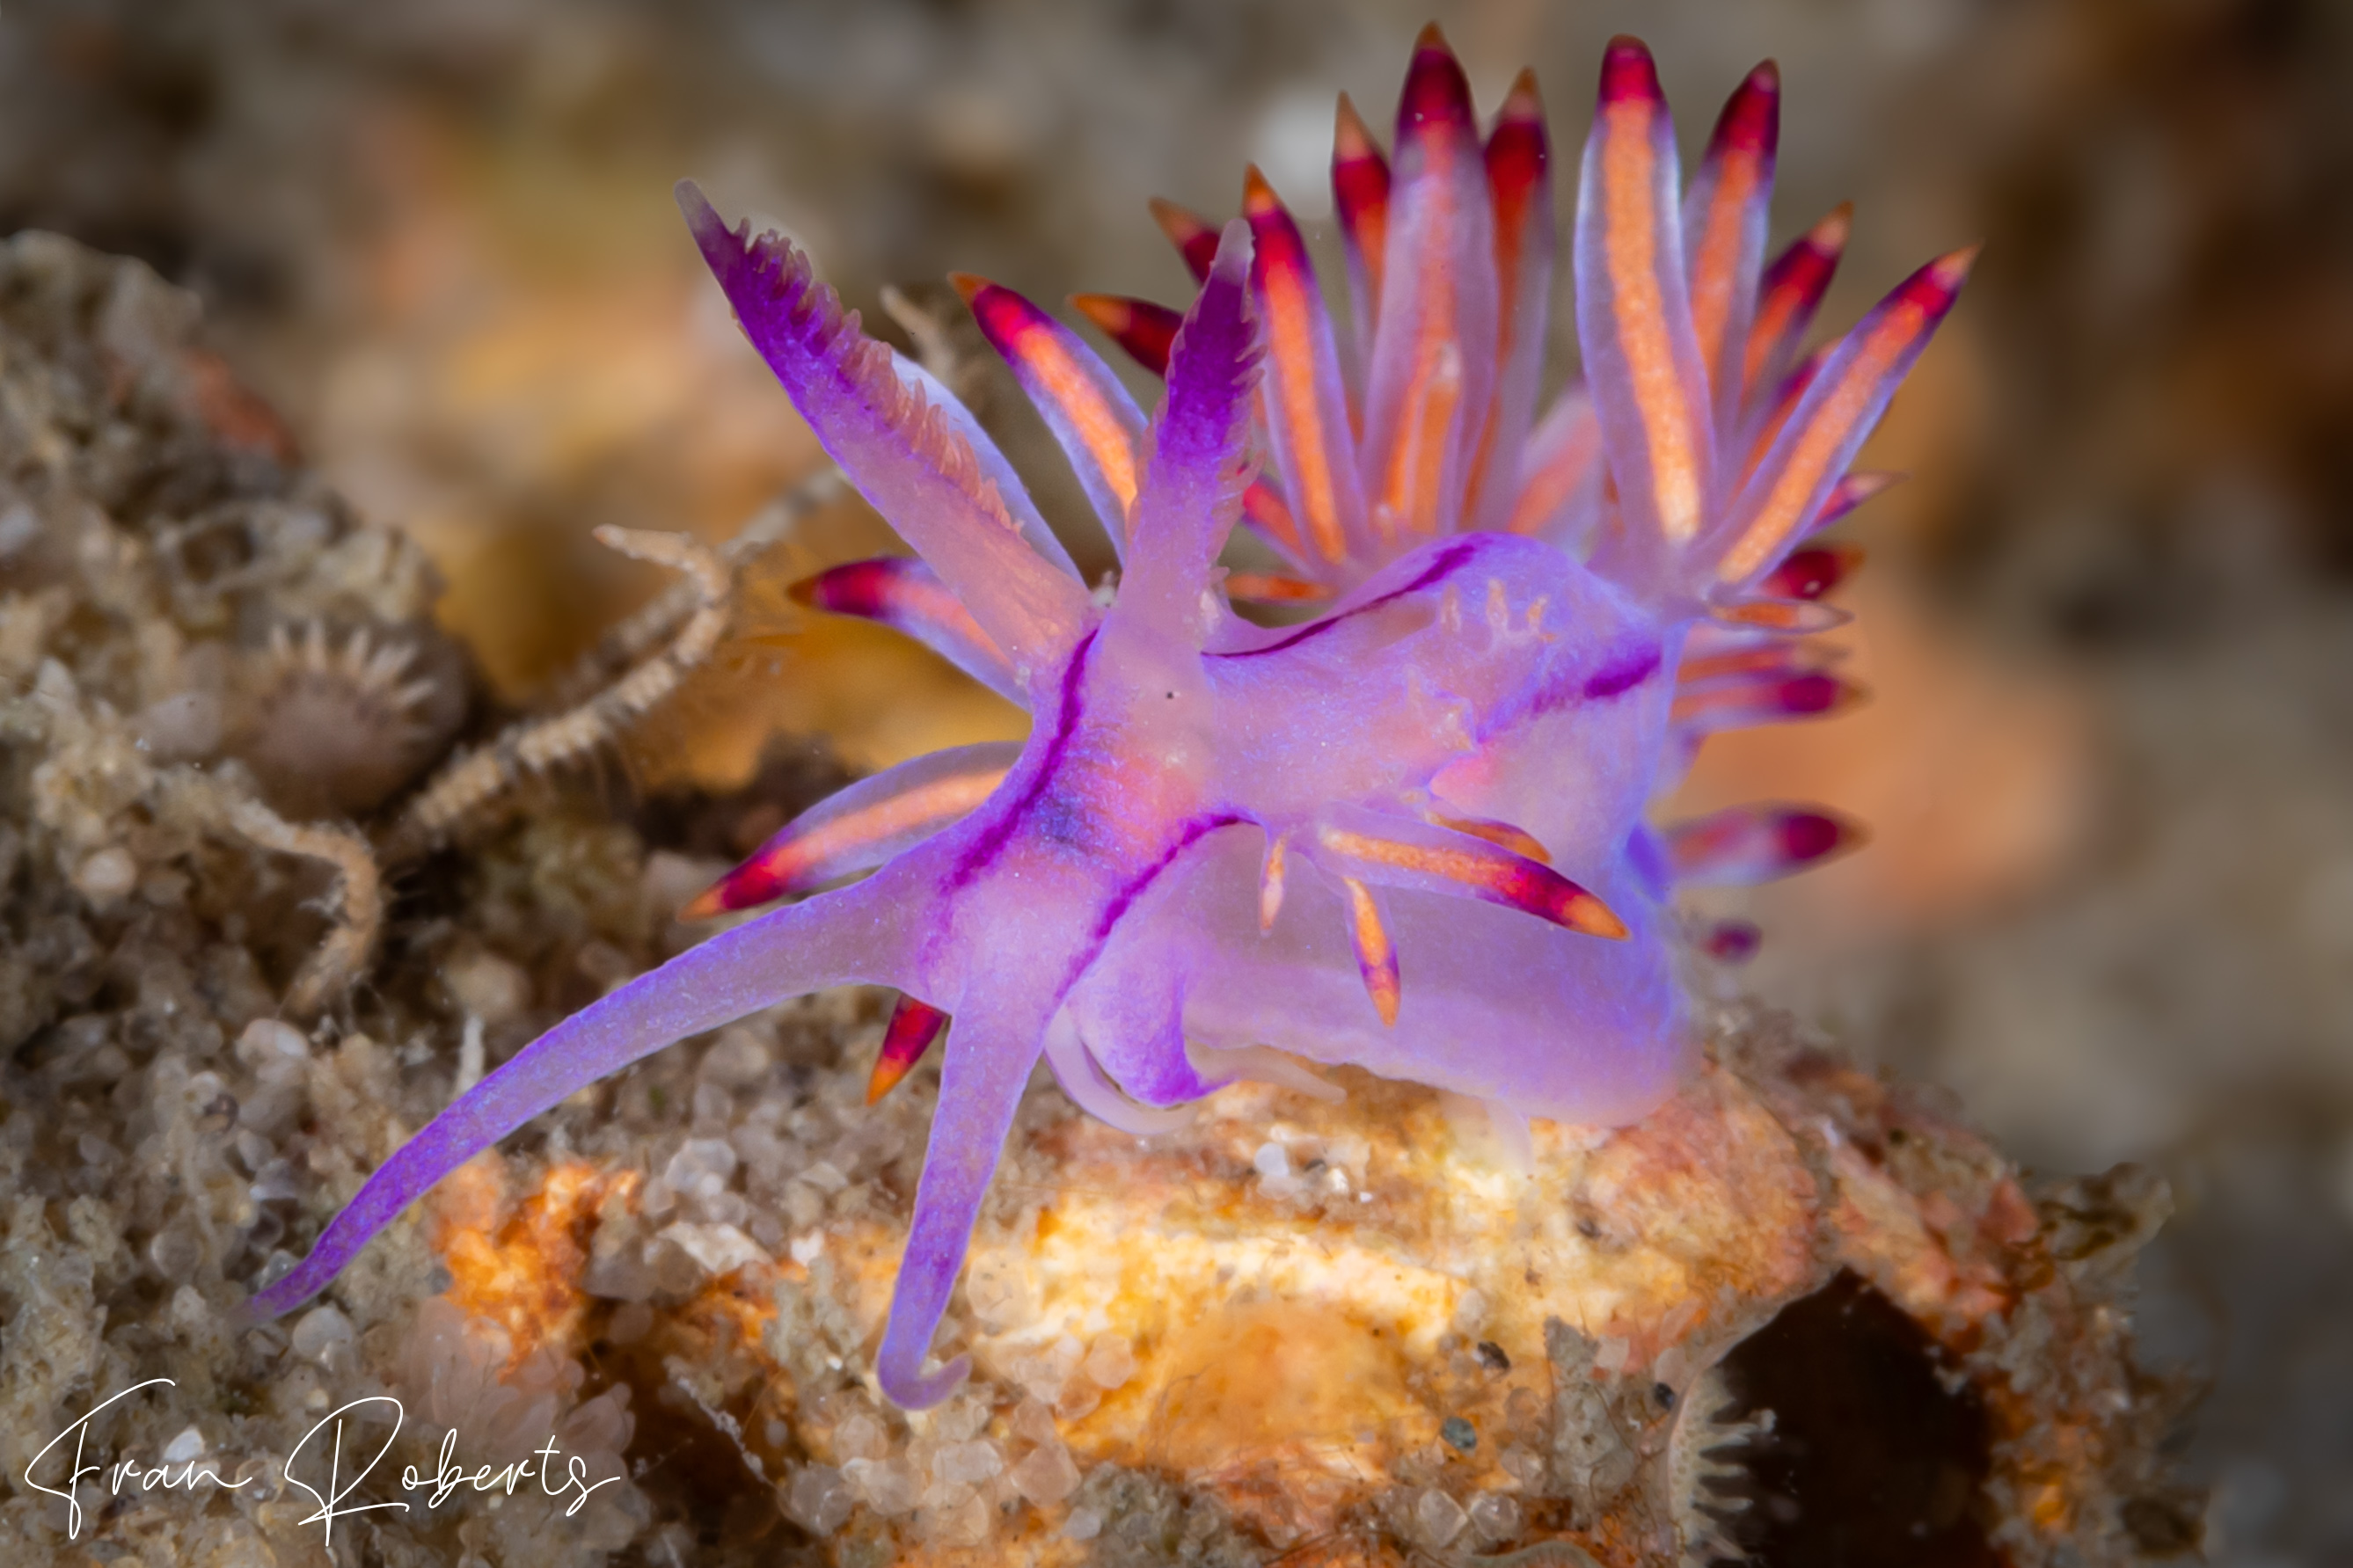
(1409, 833)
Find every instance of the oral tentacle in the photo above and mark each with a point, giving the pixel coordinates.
(905, 595)
(894, 442)
(858, 934)
(994, 1043)
(1090, 415)
(1191, 492)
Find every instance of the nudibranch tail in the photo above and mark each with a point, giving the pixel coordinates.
(915, 463)
(854, 935)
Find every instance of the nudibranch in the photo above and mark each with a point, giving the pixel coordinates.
(1408, 833)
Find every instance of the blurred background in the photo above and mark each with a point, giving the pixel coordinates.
(2109, 622)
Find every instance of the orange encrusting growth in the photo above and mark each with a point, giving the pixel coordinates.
(520, 1265)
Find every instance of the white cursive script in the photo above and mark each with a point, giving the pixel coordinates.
(150, 1478)
(333, 1477)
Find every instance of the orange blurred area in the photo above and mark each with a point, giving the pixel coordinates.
(518, 1263)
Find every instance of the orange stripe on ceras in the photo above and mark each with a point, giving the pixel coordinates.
(1021, 331)
(1272, 588)
(1791, 287)
(1742, 148)
(1502, 835)
(888, 589)
(913, 1026)
(1286, 283)
(1434, 110)
(1376, 954)
(1425, 431)
(1778, 657)
(1631, 105)
(1912, 313)
(1271, 880)
(1518, 882)
(799, 861)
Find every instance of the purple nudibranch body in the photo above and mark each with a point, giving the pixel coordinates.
(1408, 834)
